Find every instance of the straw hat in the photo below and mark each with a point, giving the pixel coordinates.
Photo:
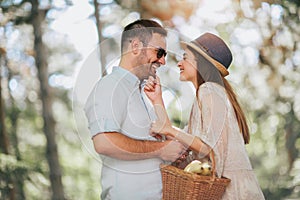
(214, 49)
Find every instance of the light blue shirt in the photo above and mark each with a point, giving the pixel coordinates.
(117, 105)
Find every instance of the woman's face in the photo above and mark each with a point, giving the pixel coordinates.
(188, 67)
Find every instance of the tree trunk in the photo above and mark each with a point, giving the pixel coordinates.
(100, 38)
(38, 17)
(3, 135)
(291, 134)
(13, 116)
(4, 143)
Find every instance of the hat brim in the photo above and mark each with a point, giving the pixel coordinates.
(217, 64)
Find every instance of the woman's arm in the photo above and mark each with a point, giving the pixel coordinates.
(153, 91)
(192, 142)
(163, 125)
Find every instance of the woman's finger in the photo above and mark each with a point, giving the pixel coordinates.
(149, 86)
(151, 78)
(157, 80)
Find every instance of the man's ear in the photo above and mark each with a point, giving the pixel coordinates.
(136, 46)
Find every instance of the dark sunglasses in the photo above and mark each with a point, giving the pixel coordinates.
(160, 51)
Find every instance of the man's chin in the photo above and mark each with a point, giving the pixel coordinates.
(153, 75)
(154, 67)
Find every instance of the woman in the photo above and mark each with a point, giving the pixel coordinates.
(217, 122)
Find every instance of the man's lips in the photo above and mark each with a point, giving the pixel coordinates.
(154, 67)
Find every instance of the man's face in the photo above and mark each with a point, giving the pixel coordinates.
(148, 59)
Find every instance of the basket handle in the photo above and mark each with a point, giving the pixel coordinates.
(213, 163)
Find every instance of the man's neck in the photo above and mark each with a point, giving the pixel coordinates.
(126, 64)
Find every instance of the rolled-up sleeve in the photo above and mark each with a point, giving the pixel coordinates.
(105, 107)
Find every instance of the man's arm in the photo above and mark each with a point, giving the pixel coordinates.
(119, 146)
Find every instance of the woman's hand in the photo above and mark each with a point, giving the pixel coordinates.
(163, 127)
(152, 89)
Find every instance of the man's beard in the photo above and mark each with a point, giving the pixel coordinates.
(144, 70)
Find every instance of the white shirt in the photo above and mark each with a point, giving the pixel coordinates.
(116, 105)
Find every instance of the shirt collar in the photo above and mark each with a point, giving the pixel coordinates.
(129, 77)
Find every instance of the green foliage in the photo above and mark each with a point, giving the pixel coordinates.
(9, 165)
(11, 170)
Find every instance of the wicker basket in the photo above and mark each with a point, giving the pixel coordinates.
(181, 185)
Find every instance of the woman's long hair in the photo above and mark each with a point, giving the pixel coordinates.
(240, 116)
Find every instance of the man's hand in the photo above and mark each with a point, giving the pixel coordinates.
(119, 146)
(172, 150)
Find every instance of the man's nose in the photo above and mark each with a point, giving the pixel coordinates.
(162, 60)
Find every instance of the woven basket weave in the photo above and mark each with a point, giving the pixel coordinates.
(181, 185)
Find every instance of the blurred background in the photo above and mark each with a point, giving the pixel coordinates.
(50, 58)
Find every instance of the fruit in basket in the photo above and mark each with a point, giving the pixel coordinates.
(193, 167)
(198, 167)
(206, 169)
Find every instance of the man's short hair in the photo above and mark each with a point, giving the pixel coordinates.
(141, 29)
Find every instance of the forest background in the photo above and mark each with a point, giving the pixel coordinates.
(50, 58)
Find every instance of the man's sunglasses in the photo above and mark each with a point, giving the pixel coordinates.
(160, 51)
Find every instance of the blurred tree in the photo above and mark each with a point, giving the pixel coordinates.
(6, 191)
(13, 186)
(3, 134)
(271, 79)
(23, 106)
(164, 10)
(41, 56)
(100, 36)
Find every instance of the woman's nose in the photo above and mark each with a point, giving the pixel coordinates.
(179, 64)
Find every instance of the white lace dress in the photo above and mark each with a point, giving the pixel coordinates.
(213, 120)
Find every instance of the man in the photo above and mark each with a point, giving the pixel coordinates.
(120, 122)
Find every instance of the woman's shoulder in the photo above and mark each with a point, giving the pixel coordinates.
(211, 85)
(211, 88)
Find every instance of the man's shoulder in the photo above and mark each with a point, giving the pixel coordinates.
(110, 83)
(107, 81)
(104, 89)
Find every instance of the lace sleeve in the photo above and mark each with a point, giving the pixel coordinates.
(213, 108)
